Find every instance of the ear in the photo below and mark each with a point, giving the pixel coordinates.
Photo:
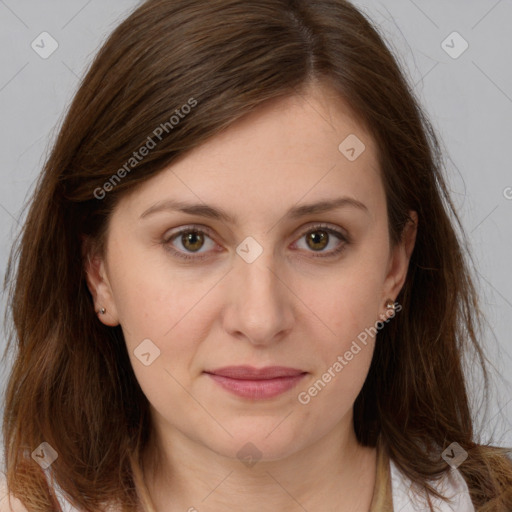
(399, 259)
(98, 283)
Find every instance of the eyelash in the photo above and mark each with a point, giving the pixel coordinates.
(196, 229)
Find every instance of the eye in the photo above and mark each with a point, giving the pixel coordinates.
(188, 242)
(191, 239)
(319, 237)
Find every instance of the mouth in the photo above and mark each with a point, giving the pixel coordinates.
(256, 383)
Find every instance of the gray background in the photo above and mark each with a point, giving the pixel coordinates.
(468, 98)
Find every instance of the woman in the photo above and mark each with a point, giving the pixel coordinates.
(249, 293)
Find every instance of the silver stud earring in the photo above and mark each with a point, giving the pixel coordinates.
(102, 311)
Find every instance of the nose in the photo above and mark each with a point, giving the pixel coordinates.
(261, 309)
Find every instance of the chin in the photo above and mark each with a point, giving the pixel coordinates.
(258, 441)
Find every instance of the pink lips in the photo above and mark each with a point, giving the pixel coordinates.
(249, 382)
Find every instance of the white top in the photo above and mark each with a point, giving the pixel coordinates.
(452, 485)
(405, 498)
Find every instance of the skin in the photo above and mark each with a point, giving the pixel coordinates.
(289, 307)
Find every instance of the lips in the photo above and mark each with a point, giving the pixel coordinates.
(256, 383)
(251, 373)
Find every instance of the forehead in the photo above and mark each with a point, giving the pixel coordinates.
(308, 126)
(294, 149)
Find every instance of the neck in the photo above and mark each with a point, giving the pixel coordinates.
(335, 473)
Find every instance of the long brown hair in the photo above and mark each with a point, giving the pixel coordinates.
(72, 384)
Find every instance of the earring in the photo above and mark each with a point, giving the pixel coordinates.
(102, 311)
(390, 304)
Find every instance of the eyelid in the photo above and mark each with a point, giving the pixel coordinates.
(336, 231)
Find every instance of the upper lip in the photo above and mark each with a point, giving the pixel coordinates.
(252, 373)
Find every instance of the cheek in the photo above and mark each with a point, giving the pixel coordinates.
(344, 351)
(349, 301)
(151, 297)
(171, 308)
(349, 305)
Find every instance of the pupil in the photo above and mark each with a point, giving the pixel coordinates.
(189, 240)
(319, 237)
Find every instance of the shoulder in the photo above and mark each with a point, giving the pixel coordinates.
(452, 485)
(8, 503)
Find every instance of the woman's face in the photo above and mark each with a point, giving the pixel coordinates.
(267, 281)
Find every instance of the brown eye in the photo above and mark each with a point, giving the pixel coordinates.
(324, 241)
(190, 243)
(194, 243)
(317, 240)
(192, 240)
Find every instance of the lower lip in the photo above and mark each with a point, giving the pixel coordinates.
(257, 389)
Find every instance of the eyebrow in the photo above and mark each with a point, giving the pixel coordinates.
(211, 212)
